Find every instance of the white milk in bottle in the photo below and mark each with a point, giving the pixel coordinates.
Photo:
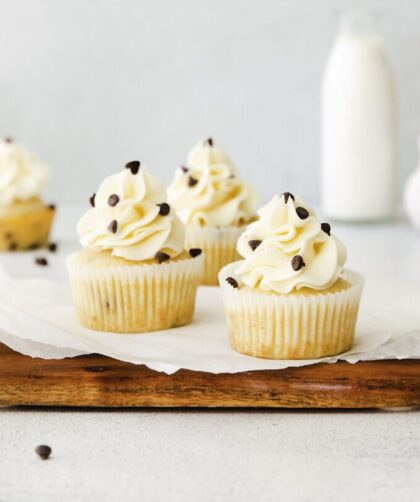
(358, 125)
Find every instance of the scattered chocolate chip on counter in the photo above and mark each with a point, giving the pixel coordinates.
(43, 451)
(52, 246)
(43, 262)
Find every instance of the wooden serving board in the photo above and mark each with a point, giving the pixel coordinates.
(100, 381)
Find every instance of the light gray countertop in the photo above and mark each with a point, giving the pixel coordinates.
(224, 455)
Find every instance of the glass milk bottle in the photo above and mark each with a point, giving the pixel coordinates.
(358, 125)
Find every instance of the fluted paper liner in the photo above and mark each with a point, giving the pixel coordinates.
(294, 326)
(135, 298)
(218, 245)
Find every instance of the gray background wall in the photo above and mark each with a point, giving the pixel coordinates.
(90, 84)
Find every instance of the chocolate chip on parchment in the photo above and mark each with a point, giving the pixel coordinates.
(51, 207)
(192, 181)
(92, 200)
(254, 243)
(52, 246)
(195, 252)
(326, 227)
(233, 282)
(113, 200)
(164, 209)
(41, 261)
(302, 212)
(184, 169)
(113, 227)
(43, 451)
(210, 141)
(161, 256)
(134, 166)
(297, 262)
(287, 196)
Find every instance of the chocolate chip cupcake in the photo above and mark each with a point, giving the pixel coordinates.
(290, 298)
(25, 220)
(134, 274)
(214, 204)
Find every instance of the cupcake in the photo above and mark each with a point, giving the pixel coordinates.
(134, 274)
(214, 204)
(290, 298)
(25, 220)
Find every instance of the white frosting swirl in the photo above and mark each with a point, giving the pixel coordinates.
(207, 192)
(133, 228)
(22, 174)
(294, 252)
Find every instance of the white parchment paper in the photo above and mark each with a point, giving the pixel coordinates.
(37, 318)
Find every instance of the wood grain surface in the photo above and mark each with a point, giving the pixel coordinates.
(103, 382)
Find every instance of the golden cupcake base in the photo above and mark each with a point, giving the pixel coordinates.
(305, 324)
(25, 225)
(219, 248)
(117, 295)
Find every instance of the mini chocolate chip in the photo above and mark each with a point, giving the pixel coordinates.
(113, 226)
(288, 195)
(254, 243)
(113, 200)
(326, 227)
(297, 262)
(52, 246)
(192, 181)
(164, 209)
(302, 213)
(184, 169)
(210, 141)
(195, 252)
(51, 206)
(233, 282)
(134, 166)
(13, 246)
(41, 261)
(34, 246)
(8, 140)
(161, 256)
(92, 200)
(43, 451)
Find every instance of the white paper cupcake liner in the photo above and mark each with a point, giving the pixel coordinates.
(295, 326)
(134, 298)
(218, 245)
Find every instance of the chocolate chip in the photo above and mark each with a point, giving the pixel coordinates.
(195, 252)
(233, 282)
(210, 141)
(113, 226)
(41, 261)
(13, 246)
(302, 213)
(33, 246)
(297, 262)
(326, 227)
(192, 181)
(184, 169)
(8, 140)
(288, 195)
(134, 166)
(43, 451)
(161, 256)
(8, 235)
(253, 244)
(113, 200)
(51, 206)
(164, 209)
(92, 200)
(52, 246)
